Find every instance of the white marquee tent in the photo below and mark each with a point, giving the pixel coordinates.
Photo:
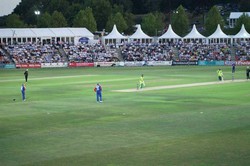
(140, 36)
(169, 35)
(242, 34)
(114, 36)
(218, 36)
(194, 34)
(45, 32)
(21, 35)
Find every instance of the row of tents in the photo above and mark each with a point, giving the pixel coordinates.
(217, 37)
(76, 35)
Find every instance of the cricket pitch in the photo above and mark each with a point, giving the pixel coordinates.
(178, 86)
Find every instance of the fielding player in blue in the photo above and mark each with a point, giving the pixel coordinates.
(23, 89)
(233, 67)
(98, 90)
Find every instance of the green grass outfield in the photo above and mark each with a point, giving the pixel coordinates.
(61, 123)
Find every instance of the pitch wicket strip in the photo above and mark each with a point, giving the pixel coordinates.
(178, 86)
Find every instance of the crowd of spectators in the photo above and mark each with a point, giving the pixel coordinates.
(90, 53)
(33, 53)
(146, 52)
(242, 51)
(4, 59)
(179, 51)
(201, 51)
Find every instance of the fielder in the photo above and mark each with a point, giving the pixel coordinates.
(98, 90)
(220, 75)
(141, 82)
(23, 89)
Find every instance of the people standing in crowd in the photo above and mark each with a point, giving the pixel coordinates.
(23, 89)
(247, 72)
(220, 75)
(98, 90)
(26, 74)
(141, 82)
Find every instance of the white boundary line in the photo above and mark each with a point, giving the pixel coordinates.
(178, 86)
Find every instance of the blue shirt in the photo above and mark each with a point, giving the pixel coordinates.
(233, 67)
(98, 89)
(23, 88)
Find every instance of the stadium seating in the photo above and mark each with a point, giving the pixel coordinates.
(180, 51)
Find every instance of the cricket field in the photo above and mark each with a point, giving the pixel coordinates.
(183, 117)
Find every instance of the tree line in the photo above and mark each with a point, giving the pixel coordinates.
(153, 15)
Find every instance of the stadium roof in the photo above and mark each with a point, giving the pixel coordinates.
(44, 32)
(62, 32)
(236, 15)
(5, 33)
(22, 32)
(80, 31)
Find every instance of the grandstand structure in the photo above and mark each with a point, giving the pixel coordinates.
(75, 47)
